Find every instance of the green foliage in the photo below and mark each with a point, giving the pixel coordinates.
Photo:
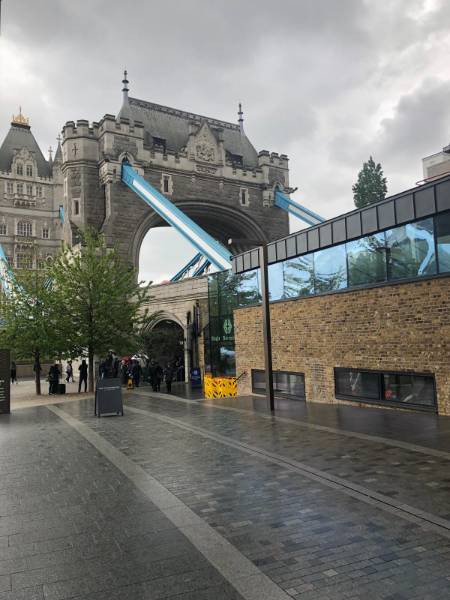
(100, 298)
(371, 185)
(30, 320)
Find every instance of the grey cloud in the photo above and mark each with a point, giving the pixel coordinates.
(328, 82)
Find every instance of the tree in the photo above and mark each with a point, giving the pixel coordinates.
(30, 320)
(371, 185)
(102, 301)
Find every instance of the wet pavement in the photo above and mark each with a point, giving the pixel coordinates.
(191, 499)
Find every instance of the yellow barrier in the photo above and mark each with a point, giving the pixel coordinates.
(219, 387)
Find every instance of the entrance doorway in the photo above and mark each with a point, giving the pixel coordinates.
(164, 343)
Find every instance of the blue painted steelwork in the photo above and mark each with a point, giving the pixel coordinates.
(206, 244)
(202, 268)
(299, 211)
(6, 275)
(186, 268)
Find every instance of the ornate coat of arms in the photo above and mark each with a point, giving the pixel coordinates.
(205, 152)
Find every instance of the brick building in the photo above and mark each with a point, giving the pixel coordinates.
(360, 309)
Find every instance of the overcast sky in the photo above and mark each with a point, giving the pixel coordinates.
(327, 82)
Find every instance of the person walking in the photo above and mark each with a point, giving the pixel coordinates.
(69, 371)
(136, 371)
(53, 379)
(168, 377)
(83, 368)
(13, 372)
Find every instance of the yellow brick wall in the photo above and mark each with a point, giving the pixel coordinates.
(396, 327)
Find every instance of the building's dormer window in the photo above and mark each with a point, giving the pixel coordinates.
(20, 188)
(29, 189)
(24, 229)
(19, 169)
(2, 228)
(45, 233)
(235, 159)
(159, 144)
(9, 187)
(39, 191)
(29, 171)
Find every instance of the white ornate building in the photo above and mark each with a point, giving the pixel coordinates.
(31, 193)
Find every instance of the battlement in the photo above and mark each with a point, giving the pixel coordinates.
(266, 158)
(80, 129)
(112, 124)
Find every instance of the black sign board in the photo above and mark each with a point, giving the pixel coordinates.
(5, 382)
(108, 397)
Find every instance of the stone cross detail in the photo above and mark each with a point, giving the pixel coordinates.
(74, 149)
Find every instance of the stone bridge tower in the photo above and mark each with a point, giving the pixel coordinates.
(207, 167)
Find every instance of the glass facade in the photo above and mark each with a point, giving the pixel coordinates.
(285, 384)
(225, 293)
(409, 251)
(410, 389)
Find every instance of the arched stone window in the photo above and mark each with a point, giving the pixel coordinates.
(24, 228)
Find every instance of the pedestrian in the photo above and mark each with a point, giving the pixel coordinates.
(124, 372)
(136, 371)
(168, 377)
(69, 371)
(83, 368)
(13, 372)
(53, 379)
(116, 367)
(102, 369)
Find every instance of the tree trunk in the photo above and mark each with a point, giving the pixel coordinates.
(37, 372)
(91, 368)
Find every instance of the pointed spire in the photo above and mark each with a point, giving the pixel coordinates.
(125, 111)
(58, 153)
(241, 118)
(125, 86)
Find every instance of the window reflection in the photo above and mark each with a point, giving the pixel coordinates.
(299, 276)
(443, 241)
(330, 269)
(367, 260)
(410, 250)
(276, 281)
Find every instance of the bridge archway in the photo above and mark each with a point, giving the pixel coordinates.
(219, 221)
(165, 342)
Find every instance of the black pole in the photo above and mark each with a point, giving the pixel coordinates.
(266, 327)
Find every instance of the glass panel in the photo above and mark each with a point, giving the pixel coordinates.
(367, 260)
(291, 385)
(330, 269)
(410, 250)
(299, 276)
(358, 384)
(247, 288)
(276, 281)
(409, 389)
(443, 241)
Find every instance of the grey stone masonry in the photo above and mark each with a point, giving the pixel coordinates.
(228, 194)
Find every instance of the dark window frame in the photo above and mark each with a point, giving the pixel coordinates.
(279, 395)
(381, 389)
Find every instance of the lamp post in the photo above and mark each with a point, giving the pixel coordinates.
(267, 335)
